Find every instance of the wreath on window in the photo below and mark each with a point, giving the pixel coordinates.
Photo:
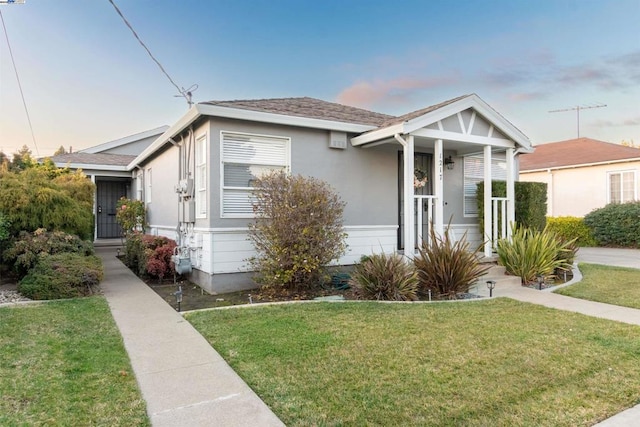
(419, 178)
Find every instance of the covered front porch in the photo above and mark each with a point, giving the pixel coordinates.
(460, 142)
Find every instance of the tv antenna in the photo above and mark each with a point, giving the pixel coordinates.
(577, 109)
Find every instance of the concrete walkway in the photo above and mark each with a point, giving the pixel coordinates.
(184, 381)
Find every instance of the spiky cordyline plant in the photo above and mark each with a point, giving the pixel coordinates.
(447, 268)
(530, 253)
(385, 277)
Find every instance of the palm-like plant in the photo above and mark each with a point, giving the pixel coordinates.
(385, 277)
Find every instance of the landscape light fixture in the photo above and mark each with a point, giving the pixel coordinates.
(540, 278)
(178, 295)
(118, 252)
(491, 284)
(448, 163)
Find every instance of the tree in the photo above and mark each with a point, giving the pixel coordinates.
(22, 159)
(59, 151)
(629, 143)
(297, 230)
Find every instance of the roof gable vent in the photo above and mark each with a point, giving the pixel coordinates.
(338, 140)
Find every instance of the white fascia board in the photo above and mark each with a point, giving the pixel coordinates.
(472, 139)
(163, 139)
(378, 134)
(583, 165)
(484, 109)
(123, 141)
(86, 166)
(281, 119)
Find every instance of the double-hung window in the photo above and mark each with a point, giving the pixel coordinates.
(474, 173)
(246, 157)
(622, 187)
(201, 177)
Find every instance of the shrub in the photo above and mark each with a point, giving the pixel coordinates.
(530, 253)
(297, 230)
(148, 255)
(24, 252)
(616, 224)
(571, 228)
(385, 277)
(39, 197)
(131, 215)
(447, 268)
(530, 206)
(63, 275)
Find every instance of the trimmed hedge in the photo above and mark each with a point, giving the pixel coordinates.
(571, 227)
(149, 256)
(616, 224)
(63, 275)
(531, 202)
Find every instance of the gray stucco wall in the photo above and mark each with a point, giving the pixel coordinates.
(164, 201)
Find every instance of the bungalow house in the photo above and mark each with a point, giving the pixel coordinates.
(197, 177)
(583, 174)
(106, 166)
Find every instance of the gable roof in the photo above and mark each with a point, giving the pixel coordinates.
(106, 161)
(576, 152)
(126, 140)
(309, 108)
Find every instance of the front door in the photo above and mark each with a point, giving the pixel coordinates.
(422, 164)
(107, 195)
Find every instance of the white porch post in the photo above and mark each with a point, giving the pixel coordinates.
(511, 191)
(95, 208)
(409, 203)
(438, 189)
(487, 202)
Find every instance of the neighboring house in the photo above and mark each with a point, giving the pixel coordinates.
(583, 174)
(197, 178)
(106, 166)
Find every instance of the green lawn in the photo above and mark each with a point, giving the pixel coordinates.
(63, 363)
(602, 283)
(485, 363)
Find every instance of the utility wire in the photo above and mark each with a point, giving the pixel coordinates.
(184, 93)
(15, 69)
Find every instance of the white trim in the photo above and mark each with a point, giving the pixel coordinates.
(124, 141)
(621, 172)
(472, 139)
(87, 166)
(472, 121)
(582, 165)
(202, 207)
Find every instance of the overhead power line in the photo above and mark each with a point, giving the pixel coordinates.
(185, 93)
(15, 69)
(577, 109)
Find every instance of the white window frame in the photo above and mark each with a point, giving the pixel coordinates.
(497, 173)
(147, 186)
(621, 173)
(285, 164)
(202, 176)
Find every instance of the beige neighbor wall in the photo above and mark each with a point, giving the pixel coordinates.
(579, 190)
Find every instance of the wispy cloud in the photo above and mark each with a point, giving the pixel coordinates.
(631, 121)
(366, 94)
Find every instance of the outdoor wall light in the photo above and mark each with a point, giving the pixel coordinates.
(540, 279)
(448, 163)
(491, 284)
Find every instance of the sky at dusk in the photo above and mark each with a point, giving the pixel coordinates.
(86, 80)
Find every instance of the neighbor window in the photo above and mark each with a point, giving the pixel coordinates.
(246, 157)
(201, 176)
(147, 190)
(622, 187)
(474, 173)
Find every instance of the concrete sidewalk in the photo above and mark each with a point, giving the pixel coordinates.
(184, 381)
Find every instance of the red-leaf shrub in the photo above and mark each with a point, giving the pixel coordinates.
(149, 255)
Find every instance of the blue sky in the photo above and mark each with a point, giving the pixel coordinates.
(86, 80)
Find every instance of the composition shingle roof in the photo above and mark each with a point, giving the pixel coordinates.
(94, 159)
(310, 108)
(575, 152)
(421, 112)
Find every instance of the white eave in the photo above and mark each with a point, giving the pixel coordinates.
(582, 165)
(199, 110)
(87, 166)
(126, 140)
(417, 125)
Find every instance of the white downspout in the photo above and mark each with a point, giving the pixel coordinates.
(408, 156)
(488, 250)
(550, 193)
